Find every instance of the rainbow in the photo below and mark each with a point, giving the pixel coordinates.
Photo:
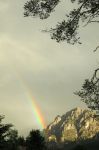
(34, 106)
(36, 111)
(32, 102)
(28, 93)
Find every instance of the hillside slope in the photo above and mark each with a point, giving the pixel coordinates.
(77, 124)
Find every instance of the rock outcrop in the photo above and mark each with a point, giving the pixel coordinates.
(77, 124)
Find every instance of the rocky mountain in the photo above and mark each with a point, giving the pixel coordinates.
(77, 124)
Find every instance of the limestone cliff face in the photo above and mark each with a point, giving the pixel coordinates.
(76, 124)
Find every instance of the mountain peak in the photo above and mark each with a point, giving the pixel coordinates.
(78, 109)
(76, 124)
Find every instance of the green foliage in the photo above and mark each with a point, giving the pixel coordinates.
(4, 133)
(9, 139)
(35, 141)
(87, 11)
(39, 8)
(90, 92)
(8, 136)
(12, 140)
(21, 141)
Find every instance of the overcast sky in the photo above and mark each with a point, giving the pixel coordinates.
(52, 71)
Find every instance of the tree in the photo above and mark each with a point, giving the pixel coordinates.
(21, 141)
(4, 132)
(87, 11)
(35, 141)
(12, 140)
(90, 92)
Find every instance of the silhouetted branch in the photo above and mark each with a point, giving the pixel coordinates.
(96, 49)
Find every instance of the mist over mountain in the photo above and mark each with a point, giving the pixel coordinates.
(76, 125)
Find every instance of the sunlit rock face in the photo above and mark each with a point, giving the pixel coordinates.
(77, 124)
